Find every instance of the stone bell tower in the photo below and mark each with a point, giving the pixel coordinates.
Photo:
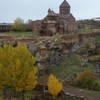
(64, 8)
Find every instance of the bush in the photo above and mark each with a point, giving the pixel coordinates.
(20, 28)
(17, 70)
(54, 86)
(87, 79)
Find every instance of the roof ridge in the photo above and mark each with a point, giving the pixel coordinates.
(65, 3)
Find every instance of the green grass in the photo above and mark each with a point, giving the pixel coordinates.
(98, 38)
(98, 42)
(1, 98)
(89, 92)
(87, 30)
(20, 34)
(69, 68)
(92, 93)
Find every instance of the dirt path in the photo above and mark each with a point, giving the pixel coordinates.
(80, 93)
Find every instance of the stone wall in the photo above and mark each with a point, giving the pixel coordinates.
(10, 95)
(88, 24)
(69, 96)
(36, 25)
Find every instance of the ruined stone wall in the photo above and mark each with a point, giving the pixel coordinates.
(36, 25)
(69, 96)
(88, 23)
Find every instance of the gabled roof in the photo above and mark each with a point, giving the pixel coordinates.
(65, 4)
(5, 24)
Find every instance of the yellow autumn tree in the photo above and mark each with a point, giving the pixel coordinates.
(17, 70)
(54, 86)
(29, 82)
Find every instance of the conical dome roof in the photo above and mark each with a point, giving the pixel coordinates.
(65, 4)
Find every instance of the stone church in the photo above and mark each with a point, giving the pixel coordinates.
(63, 22)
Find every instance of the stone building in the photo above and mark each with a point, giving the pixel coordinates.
(36, 26)
(5, 27)
(63, 22)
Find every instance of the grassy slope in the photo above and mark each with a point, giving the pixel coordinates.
(89, 92)
(20, 34)
(69, 67)
(87, 30)
(98, 39)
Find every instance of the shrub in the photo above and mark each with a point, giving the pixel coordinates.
(97, 85)
(54, 86)
(20, 26)
(17, 70)
(86, 79)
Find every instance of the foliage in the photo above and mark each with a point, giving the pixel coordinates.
(97, 38)
(87, 79)
(17, 70)
(69, 67)
(97, 51)
(90, 46)
(88, 66)
(20, 26)
(54, 86)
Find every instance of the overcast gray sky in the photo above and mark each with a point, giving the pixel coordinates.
(37, 9)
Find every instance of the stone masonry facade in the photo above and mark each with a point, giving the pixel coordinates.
(62, 22)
